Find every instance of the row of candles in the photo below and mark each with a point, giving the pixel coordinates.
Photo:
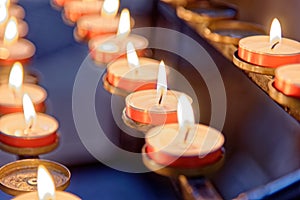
(23, 131)
(173, 139)
(247, 45)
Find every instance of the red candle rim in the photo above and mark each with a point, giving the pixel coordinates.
(154, 118)
(6, 109)
(26, 142)
(287, 88)
(103, 57)
(11, 61)
(130, 85)
(267, 60)
(183, 161)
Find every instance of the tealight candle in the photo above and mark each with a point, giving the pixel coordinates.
(11, 93)
(106, 48)
(90, 26)
(12, 48)
(46, 189)
(28, 129)
(184, 145)
(287, 80)
(153, 107)
(269, 51)
(21, 26)
(133, 73)
(73, 10)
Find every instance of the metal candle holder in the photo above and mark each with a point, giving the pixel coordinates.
(175, 172)
(21, 176)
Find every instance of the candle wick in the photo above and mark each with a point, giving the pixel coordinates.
(186, 135)
(274, 45)
(29, 127)
(160, 98)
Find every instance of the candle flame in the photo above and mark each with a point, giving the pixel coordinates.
(29, 111)
(11, 34)
(132, 58)
(275, 32)
(45, 184)
(161, 82)
(185, 114)
(110, 8)
(124, 23)
(16, 76)
(3, 13)
(5, 2)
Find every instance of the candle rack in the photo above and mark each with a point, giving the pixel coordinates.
(21, 176)
(205, 11)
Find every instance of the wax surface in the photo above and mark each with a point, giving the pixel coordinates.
(147, 100)
(201, 140)
(35, 92)
(148, 69)
(14, 125)
(59, 195)
(260, 44)
(289, 73)
(22, 49)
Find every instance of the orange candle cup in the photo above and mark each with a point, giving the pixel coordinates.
(73, 10)
(269, 51)
(287, 80)
(154, 107)
(11, 93)
(133, 73)
(143, 107)
(12, 48)
(184, 144)
(106, 22)
(164, 146)
(91, 26)
(28, 129)
(106, 48)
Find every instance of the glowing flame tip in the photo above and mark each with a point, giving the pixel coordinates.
(45, 184)
(275, 31)
(185, 114)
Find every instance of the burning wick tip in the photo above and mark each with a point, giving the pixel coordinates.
(274, 45)
(186, 134)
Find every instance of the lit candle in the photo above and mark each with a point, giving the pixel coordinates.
(287, 80)
(132, 73)
(269, 51)
(154, 107)
(13, 48)
(46, 189)
(73, 10)
(28, 129)
(21, 25)
(107, 47)
(107, 22)
(186, 144)
(11, 94)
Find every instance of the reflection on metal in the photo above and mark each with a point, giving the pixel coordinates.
(17, 177)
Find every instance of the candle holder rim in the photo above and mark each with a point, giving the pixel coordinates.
(33, 163)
